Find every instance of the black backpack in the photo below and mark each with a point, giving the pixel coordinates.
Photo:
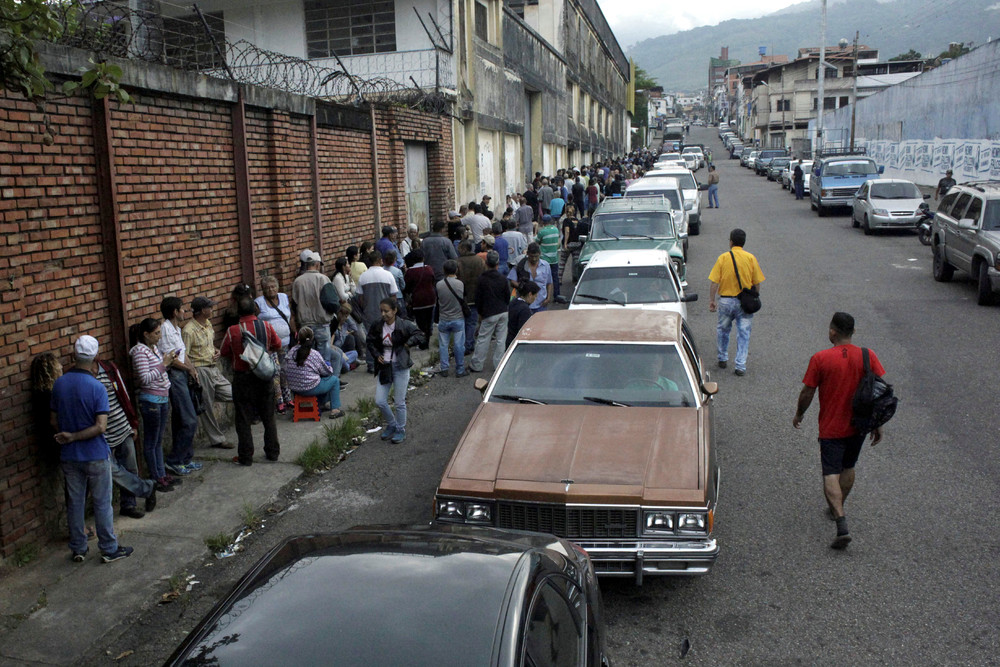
(874, 403)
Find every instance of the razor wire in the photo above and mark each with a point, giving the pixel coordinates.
(114, 30)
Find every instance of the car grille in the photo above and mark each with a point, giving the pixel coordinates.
(844, 192)
(903, 214)
(569, 522)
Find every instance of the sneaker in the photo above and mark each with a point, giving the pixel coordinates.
(399, 436)
(162, 485)
(151, 500)
(123, 552)
(740, 372)
(444, 373)
(133, 512)
(722, 364)
(344, 383)
(78, 557)
(841, 541)
(193, 465)
(388, 432)
(462, 373)
(177, 469)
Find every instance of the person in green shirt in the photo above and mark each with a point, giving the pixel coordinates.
(548, 240)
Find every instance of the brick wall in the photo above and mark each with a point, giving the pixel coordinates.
(175, 181)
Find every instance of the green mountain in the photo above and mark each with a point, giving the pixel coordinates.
(679, 61)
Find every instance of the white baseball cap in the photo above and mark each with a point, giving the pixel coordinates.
(86, 348)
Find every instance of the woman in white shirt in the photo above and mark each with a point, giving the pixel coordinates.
(343, 282)
(276, 310)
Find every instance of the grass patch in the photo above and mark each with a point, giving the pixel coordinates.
(219, 542)
(24, 554)
(366, 408)
(250, 515)
(433, 356)
(338, 439)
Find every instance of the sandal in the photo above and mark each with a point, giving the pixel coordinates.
(336, 414)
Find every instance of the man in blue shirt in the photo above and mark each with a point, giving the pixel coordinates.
(387, 243)
(79, 418)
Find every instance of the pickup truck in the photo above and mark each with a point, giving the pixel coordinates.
(966, 236)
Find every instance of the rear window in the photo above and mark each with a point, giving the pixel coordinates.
(615, 226)
(850, 168)
(769, 154)
(624, 285)
(673, 196)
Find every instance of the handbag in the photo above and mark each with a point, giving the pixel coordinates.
(749, 299)
(385, 374)
(197, 396)
(255, 354)
(466, 311)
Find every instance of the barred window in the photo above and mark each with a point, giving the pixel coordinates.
(349, 27)
(482, 22)
(186, 44)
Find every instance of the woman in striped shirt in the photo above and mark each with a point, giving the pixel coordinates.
(308, 375)
(150, 368)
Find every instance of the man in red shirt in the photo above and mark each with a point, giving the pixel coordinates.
(250, 393)
(836, 372)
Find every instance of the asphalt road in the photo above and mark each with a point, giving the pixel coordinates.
(918, 585)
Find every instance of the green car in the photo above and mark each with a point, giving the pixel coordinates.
(634, 223)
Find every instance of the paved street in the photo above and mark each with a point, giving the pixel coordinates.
(918, 585)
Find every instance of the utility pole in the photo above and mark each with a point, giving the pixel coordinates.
(854, 102)
(821, 77)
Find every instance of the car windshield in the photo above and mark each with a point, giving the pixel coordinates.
(895, 191)
(851, 168)
(623, 374)
(617, 225)
(625, 285)
(780, 162)
(673, 196)
(991, 216)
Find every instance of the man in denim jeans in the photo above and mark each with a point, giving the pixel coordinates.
(726, 286)
(80, 418)
(451, 320)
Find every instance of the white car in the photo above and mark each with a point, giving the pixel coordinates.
(694, 150)
(690, 190)
(786, 176)
(887, 203)
(691, 161)
(643, 279)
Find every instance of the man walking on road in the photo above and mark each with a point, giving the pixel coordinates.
(798, 180)
(713, 187)
(836, 372)
(726, 287)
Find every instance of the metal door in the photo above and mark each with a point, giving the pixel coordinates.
(418, 208)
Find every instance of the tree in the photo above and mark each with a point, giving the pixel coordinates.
(955, 49)
(24, 22)
(909, 55)
(643, 82)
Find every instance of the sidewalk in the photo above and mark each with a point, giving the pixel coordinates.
(53, 611)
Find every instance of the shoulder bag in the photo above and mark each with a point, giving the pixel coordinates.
(749, 299)
(466, 311)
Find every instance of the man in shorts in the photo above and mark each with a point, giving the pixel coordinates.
(836, 372)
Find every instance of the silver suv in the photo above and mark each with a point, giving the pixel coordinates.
(966, 236)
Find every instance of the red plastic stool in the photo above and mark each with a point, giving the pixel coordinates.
(305, 407)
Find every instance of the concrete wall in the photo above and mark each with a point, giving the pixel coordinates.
(951, 113)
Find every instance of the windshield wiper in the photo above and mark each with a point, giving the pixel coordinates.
(606, 401)
(519, 399)
(609, 234)
(606, 299)
(638, 236)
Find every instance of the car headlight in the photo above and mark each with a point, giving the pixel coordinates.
(464, 511)
(880, 211)
(691, 522)
(657, 523)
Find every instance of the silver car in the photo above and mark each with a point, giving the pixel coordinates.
(644, 279)
(886, 203)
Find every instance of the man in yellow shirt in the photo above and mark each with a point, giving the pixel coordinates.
(724, 298)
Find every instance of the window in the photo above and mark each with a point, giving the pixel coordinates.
(185, 43)
(349, 27)
(829, 103)
(975, 210)
(784, 105)
(947, 202)
(844, 101)
(960, 206)
(482, 22)
(831, 73)
(555, 630)
(573, 95)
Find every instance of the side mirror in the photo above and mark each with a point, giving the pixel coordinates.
(927, 196)
(881, 170)
(583, 238)
(480, 384)
(688, 298)
(967, 223)
(710, 388)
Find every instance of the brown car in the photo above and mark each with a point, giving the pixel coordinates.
(598, 428)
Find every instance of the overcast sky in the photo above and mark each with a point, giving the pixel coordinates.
(635, 20)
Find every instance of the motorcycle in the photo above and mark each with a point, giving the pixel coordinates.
(925, 225)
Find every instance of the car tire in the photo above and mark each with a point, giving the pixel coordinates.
(820, 211)
(854, 220)
(943, 271)
(866, 227)
(984, 290)
(694, 229)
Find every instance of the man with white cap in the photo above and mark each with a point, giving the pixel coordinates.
(80, 418)
(315, 301)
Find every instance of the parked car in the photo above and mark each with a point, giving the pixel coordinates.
(643, 279)
(966, 236)
(691, 191)
(629, 223)
(691, 161)
(697, 151)
(670, 188)
(746, 160)
(887, 203)
(786, 177)
(598, 429)
(836, 176)
(440, 594)
(764, 157)
(737, 150)
(775, 167)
